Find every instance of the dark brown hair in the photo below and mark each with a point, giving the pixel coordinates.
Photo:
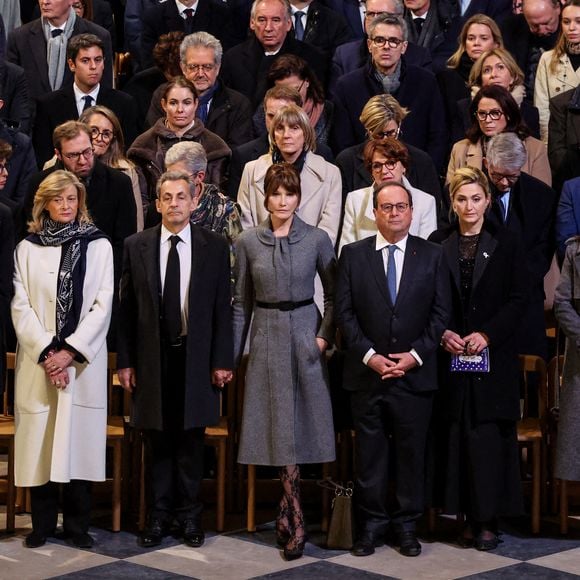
(391, 148)
(281, 175)
(289, 65)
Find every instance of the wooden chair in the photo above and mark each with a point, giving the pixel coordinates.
(7, 428)
(531, 429)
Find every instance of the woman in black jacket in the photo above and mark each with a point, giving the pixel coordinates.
(478, 409)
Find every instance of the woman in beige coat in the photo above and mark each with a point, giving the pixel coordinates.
(495, 111)
(63, 291)
(558, 69)
(293, 141)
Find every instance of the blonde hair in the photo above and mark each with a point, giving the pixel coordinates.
(505, 57)
(379, 110)
(455, 58)
(466, 176)
(293, 115)
(52, 186)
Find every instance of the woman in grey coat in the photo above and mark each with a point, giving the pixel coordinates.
(287, 418)
(567, 310)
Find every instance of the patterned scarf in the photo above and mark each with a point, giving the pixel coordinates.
(56, 50)
(73, 237)
(391, 83)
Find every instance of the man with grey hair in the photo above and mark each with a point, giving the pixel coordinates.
(212, 16)
(246, 65)
(353, 55)
(529, 34)
(222, 110)
(214, 211)
(527, 206)
(389, 72)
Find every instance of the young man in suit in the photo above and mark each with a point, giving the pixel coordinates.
(86, 60)
(175, 352)
(392, 305)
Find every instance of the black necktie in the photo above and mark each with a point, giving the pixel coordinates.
(171, 305)
(418, 22)
(189, 19)
(56, 32)
(88, 102)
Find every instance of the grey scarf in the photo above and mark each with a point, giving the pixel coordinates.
(390, 82)
(56, 50)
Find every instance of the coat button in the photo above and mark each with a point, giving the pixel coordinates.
(557, 89)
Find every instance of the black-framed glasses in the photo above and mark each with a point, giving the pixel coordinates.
(192, 68)
(388, 207)
(105, 135)
(494, 115)
(392, 134)
(393, 42)
(4, 167)
(378, 165)
(86, 153)
(509, 177)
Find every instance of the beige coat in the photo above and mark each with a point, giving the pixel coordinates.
(468, 154)
(549, 84)
(321, 201)
(60, 434)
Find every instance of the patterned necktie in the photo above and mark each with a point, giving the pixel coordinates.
(88, 102)
(392, 273)
(298, 26)
(171, 302)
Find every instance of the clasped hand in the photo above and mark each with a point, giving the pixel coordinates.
(396, 365)
(55, 366)
(473, 343)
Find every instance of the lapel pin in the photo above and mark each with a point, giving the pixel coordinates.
(485, 255)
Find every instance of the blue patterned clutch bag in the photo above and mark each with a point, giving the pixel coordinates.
(470, 363)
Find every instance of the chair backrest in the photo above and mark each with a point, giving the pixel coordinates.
(534, 374)
(7, 397)
(555, 381)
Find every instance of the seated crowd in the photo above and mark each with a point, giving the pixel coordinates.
(212, 181)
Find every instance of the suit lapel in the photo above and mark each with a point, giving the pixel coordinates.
(150, 258)
(409, 267)
(451, 249)
(198, 257)
(377, 267)
(70, 106)
(485, 249)
(38, 49)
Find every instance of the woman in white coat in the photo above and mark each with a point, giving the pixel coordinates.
(386, 160)
(293, 141)
(559, 69)
(63, 291)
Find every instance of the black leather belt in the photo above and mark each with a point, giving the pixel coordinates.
(284, 306)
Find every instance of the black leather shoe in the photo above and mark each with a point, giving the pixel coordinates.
(408, 543)
(34, 540)
(486, 544)
(153, 534)
(82, 540)
(193, 535)
(364, 546)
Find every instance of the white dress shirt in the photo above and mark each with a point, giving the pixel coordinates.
(80, 97)
(181, 8)
(184, 251)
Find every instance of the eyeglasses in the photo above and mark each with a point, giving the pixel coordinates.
(393, 42)
(392, 134)
(3, 167)
(371, 14)
(378, 165)
(494, 115)
(87, 154)
(105, 135)
(509, 177)
(388, 207)
(199, 67)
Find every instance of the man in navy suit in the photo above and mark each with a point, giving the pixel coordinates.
(392, 306)
(27, 47)
(86, 60)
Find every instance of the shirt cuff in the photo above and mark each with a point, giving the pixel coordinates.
(416, 356)
(368, 355)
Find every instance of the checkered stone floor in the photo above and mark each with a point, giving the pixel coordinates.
(241, 555)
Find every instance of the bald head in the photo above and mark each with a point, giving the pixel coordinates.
(542, 16)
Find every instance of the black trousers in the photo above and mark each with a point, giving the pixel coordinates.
(76, 507)
(174, 456)
(389, 422)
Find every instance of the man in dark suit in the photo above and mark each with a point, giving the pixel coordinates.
(318, 25)
(175, 351)
(212, 16)
(415, 88)
(85, 57)
(27, 47)
(531, 33)
(353, 55)
(275, 98)
(527, 206)
(246, 65)
(392, 305)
